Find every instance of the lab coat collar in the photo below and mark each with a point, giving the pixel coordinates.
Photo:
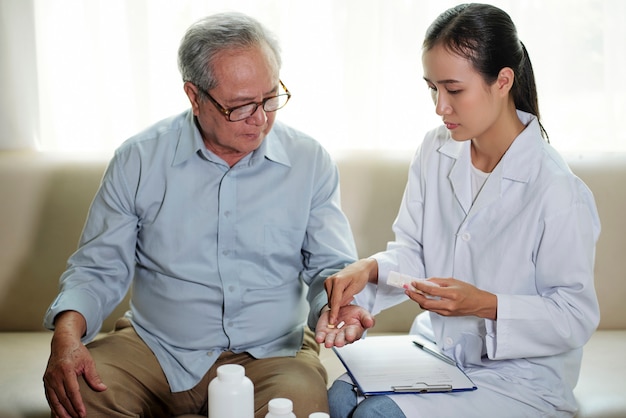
(521, 160)
(518, 164)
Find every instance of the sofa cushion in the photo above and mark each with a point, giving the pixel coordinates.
(23, 358)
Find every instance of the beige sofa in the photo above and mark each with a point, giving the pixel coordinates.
(44, 200)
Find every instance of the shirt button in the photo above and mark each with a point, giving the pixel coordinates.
(466, 236)
(227, 213)
(231, 288)
(448, 342)
(209, 353)
(226, 252)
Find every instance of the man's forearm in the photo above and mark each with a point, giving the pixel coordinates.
(70, 324)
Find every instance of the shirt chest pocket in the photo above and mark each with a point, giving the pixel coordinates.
(282, 254)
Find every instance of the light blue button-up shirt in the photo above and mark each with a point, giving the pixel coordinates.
(218, 258)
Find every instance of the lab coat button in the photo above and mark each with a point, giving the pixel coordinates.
(448, 342)
(466, 236)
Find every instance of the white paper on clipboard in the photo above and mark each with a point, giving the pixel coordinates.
(395, 364)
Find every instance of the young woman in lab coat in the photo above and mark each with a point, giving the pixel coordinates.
(495, 218)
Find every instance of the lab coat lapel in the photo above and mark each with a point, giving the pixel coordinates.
(460, 180)
(516, 165)
(490, 192)
(459, 172)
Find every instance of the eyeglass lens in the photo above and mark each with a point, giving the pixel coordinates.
(271, 104)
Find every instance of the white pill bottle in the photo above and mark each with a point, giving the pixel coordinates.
(280, 408)
(231, 393)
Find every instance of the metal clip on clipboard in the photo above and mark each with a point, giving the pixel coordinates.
(421, 387)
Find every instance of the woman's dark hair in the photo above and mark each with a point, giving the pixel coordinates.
(486, 36)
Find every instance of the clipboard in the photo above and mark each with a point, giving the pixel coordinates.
(395, 364)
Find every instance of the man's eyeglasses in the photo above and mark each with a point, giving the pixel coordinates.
(235, 114)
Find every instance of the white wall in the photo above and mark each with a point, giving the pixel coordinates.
(19, 119)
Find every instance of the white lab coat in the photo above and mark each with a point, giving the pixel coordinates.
(529, 237)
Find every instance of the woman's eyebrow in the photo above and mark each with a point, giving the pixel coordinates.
(444, 81)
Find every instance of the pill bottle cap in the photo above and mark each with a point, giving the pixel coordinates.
(231, 372)
(280, 405)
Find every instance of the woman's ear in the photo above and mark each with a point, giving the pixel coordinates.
(504, 82)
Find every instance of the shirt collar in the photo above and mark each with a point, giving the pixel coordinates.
(190, 143)
(272, 148)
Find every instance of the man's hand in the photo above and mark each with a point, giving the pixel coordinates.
(343, 285)
(355, 321)
(69, 359)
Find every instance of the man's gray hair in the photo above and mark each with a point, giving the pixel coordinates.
(212, 34)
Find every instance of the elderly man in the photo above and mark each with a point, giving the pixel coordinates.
(223, 222)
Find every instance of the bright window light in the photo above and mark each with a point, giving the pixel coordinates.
(107, 68)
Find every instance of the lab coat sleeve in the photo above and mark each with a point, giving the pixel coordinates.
(565, 312)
